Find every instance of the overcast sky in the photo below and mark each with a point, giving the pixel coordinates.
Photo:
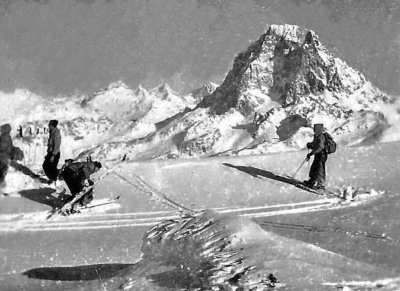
(54, 47)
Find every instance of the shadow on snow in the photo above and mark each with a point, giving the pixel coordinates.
(255, 172)
(78, 273)
(25, 170)
(43, 196)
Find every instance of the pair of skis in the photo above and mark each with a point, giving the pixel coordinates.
(94, 204)
(323, 192)
(68, 205)
(301, 185)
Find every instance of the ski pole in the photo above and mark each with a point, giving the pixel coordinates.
(29, 145)
(21, 135)
(36, 146)
(301, 165)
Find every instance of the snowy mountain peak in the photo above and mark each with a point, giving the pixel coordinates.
(287, 31)
(286, 65)
(163, 91)
(141, 92)
(112, 87)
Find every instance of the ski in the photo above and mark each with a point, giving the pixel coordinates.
(322, 192)
(92, 205)
(63, 208)
(258, 173)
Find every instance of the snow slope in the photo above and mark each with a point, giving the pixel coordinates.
(146, 245)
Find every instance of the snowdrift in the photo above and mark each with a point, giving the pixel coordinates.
(207, 251)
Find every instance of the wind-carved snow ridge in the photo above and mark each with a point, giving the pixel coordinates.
(205, 251)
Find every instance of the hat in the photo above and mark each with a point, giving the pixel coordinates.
(53, 122)
(97, 164)
(5, 128)
(318, 128)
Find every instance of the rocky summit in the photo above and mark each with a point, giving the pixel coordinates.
(286, 65)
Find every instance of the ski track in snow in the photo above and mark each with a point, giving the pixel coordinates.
(97, 218)
(388, 282)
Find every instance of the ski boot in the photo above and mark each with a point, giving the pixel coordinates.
(308, 183)
(313, 185)
(70, 211)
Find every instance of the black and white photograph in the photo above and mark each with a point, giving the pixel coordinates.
(239, 145)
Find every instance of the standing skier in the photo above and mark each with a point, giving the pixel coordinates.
(53, 152)
(77, 177)
(317, 170)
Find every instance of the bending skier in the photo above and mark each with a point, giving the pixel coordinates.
(53, 152)
(317, 170)
(77, 177)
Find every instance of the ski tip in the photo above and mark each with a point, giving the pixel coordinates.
(51, 214)
(117, 198)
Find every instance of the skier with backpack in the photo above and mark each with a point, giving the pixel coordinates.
(77, 177)
(321, 146)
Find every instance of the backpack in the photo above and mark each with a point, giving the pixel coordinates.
(330, 144)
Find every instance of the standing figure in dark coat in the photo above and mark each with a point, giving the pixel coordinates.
(53, 152)
(6, 151)
(77, 177)
(317, 170)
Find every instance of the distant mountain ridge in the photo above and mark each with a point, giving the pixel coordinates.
(113, 114)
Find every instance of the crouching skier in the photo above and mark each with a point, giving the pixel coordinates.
(77, 177)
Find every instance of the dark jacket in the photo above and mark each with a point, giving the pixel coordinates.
(317, 172)
(75, 174)
(54, 142)
(317, 145)
(82, 170)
